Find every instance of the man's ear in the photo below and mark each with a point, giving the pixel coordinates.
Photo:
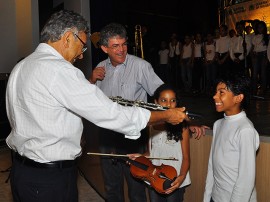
(155, 101)
(104, 48)
(66, 38)
(239, 98)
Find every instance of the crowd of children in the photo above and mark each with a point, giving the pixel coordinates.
(193, 64)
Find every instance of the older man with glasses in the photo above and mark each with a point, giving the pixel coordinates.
(46, 98)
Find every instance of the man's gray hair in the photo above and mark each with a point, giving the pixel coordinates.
(112, 30)
(61, 22)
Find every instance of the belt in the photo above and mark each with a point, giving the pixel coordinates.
(53, 164)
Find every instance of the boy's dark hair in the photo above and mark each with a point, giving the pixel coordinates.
(238, 84)
(174, 132)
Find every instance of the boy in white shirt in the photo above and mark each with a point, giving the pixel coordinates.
(232, 160)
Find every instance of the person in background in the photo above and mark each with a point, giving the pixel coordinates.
(248, 36)
(248, 29)
(175, 47)
(197, 70)
(132, 78)
(210, 65)
(164, 69)
(232, 161)
(46, 99)
(239, 49)
(186, 63)
(222, 57)
(260, 61)
(232, 33)
(149, 46)
(216, 34)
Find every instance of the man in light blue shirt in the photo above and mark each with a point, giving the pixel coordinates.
(132, 78)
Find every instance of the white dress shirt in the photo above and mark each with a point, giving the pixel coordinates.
(47, 97)
(198, 50)
(236, 46)
(187, 50)
(210, 51)
(223, 44)
(163, 56)
(174, 49)
(258, 43)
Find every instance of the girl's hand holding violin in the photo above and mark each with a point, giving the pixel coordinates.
(176, 184)
(133, 156)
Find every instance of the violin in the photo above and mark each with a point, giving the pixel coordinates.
(159, 177)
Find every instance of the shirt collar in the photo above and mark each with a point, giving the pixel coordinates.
(124, 64)
(44, 47)
(236, 116)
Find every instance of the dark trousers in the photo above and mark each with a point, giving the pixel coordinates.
(174, 72)
(238, 67)
(114, 173)
(259, 71)
(177, 195)
(116, 170)
(225, 68)
(30, 184)
(210, 74)
(197, 73)
(164, 72)
(186, 74)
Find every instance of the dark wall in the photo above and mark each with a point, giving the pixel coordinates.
(46, 9)
(161, 18)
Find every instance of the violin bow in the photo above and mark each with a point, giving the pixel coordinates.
(123, 155)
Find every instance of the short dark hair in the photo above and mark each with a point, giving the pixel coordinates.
(112, 30)
(61, 22)
(238, 84)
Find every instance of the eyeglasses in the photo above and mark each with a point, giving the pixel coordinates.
(118, 46)
(84, 44)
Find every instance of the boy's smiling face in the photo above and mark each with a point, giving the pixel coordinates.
(226, 101)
